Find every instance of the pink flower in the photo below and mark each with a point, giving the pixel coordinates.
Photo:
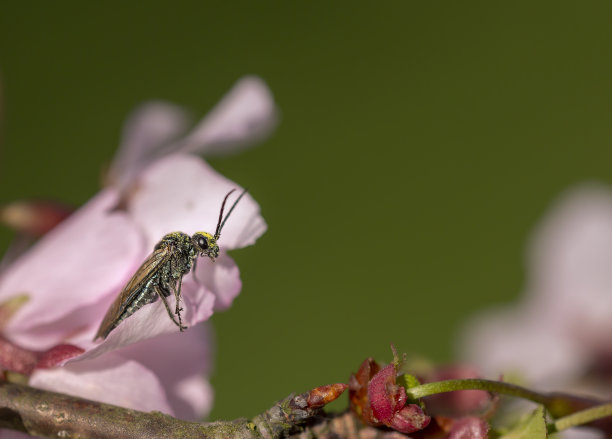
(69, 278)
(560, 331)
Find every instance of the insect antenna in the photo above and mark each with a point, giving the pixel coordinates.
(221, 223)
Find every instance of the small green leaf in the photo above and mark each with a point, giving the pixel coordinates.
(407, 381)
(532, 426)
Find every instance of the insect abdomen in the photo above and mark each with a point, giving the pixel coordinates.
(145, 296)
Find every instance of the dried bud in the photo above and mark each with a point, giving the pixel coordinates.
(319, 396)
(358, 391)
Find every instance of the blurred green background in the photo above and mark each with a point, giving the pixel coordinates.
(419, 144)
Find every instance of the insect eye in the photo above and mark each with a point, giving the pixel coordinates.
(202, 242)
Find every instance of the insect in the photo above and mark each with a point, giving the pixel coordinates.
(161, 274)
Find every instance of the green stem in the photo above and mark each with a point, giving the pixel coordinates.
(569, 411)
(428, 389)
(581, 417)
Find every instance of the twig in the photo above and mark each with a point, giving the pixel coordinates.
(49, 414)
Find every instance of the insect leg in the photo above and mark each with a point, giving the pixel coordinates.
(195, 265)
(177, 294)
(160, 293)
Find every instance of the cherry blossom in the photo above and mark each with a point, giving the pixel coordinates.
(558, 336)
(57, 292)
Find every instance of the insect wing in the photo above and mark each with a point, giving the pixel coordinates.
(148, 269)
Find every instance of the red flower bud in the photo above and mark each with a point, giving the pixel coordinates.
(33, 218)
(377, 399)
(388, 402)
(319, 396)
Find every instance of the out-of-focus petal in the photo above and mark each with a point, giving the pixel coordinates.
(507, 342)
(566, 314)
(197, 396)
(582, 433)
(459, 403)
(222, 278)
(570, 278)
(71, 266)
(183, 193)
(469, 427)
(110, 379)
(245, 115)
(184, 362)
(148, 128)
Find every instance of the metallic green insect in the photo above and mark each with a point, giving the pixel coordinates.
(161, 274)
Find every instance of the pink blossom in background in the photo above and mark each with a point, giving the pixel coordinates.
(75, 271)
(558, 336)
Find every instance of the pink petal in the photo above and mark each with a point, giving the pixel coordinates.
(570, 279)
(146, 131)
(181, 362)
(508, 342)
(469, 428)
(151, 321)
(198, 302)
(183, 193)
(198, 396)
(77, 328)
(72, 266)
(461, 402)
(566, 315)
(222, 278)
(110, 379)
(245, 115)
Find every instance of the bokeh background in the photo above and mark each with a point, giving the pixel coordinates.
(419, 144)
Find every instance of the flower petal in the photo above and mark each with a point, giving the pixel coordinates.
(72, 266)
(147, 129)
(507, 342)
(151, 321)
(181, 362)
(566, 314)
(245, 115)
(110, 379)
(183, 193)
(222, 278)
(469, 427)
(570, 278)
